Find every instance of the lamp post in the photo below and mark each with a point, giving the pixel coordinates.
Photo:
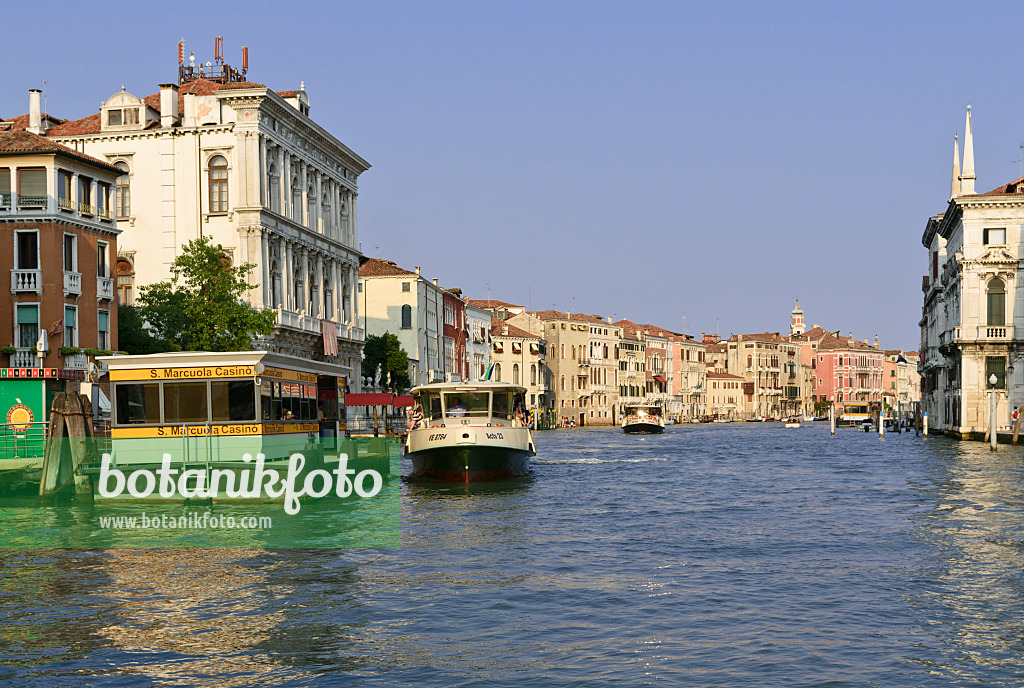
(994, 429)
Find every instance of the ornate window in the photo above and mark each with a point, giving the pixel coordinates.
(123, 197)
(406, 317)
(996, 298)
(125, 273)
(218, 184)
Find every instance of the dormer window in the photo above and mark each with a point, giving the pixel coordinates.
(124, 111)
(117, 118)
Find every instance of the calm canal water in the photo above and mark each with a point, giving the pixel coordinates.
(714, 555)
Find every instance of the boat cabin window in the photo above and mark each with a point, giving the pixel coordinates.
(431, 402)
(138, 404)
(502, 404)
(466, 404)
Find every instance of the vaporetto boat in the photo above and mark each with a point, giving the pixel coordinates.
(642, 418)
(470, 432)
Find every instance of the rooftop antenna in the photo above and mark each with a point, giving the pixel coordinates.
(684, 324)
(716, 325)
(529, 297)
(1019, 160)
(44, 102)
(377, 251)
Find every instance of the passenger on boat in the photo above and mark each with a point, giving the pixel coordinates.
(415, 417)
(456, 410)
(519, 413)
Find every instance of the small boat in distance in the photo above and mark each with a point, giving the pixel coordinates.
(793, 422)
(642, 418)
(470, 432)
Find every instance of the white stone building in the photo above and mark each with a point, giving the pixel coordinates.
(521, 358)
(216, 155)
(478, 349)
(973, 321)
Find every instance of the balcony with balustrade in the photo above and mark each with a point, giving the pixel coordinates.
(77, 361)
(30, 281)
(25, 357)
(105, 288)
(72, 283)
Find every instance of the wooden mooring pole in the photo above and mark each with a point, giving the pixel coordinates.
(68, 442)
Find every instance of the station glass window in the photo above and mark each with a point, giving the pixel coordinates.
(137, 404)
(233, 400)
(185, 402)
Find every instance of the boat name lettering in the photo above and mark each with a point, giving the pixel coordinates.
(439, 436)
(495, 436)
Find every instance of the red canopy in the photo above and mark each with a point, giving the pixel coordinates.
(379, 399)
(404, 401)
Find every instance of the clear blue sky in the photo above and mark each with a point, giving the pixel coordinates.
(683, 164)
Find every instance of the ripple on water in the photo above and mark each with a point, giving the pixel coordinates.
(720, 555)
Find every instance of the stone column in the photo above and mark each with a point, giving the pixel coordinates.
(287, 277)
(304, 271)
(268, 281)
(321, 287)
(303, 215)
(319, 202)
(286, 186)
(264, 169)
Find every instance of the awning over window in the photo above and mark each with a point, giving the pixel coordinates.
(660, 379)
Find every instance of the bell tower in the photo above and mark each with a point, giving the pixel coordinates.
(797, 323)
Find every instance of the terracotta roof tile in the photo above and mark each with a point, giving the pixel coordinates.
(492, 303)
(498, 330)
(376, 267)
(23, 143)
(723, 376)
(1013, 188)
(559, 315)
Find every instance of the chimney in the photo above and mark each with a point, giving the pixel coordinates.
(168, 105)
(35, 113)
(504, 329)
(435, 281)
(609, 319)
(417, 270)
(190, 110)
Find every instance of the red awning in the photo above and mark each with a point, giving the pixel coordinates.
(660, 379)
(379, 399)
(404, 401)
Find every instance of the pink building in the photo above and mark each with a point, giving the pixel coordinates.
(847, 370)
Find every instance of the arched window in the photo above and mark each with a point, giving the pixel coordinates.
(310, 207)
(563, 351)
(125, 274)
(533, 374)
(122, 198)
(515, 373)
(218, 184)
(562, 383)
(406, 317)
(996, 303)
(497, 372)
(750, 361)
(574, 351)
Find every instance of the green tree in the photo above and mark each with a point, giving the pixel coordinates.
(201, 308)
(132, 335)
(386, 350)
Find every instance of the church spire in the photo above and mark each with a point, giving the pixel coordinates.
(955, 190)
(967, 177)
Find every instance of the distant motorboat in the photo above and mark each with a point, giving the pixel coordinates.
(642, 418)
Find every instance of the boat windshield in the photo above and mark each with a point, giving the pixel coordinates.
(466, 404)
